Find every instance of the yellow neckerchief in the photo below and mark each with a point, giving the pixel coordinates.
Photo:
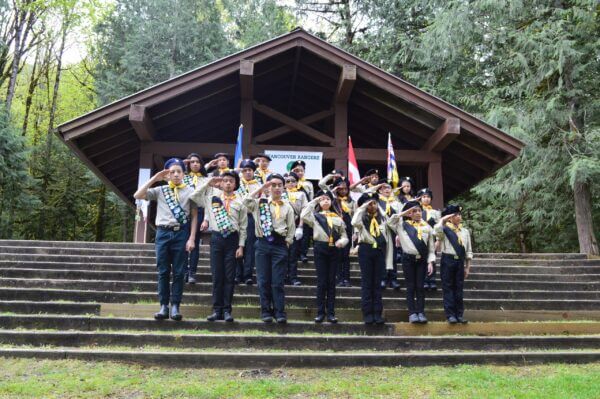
(277, 205)
(418, 225)
(330, 216)
(249, 182)
(223, 170)
(195, 176)
(344, 204)
(291, 194)
(374, 226)
(176, 188)
(456, 229)
(408, 197)
(228, 200)
(388, 205)
(263, 174)
(426, 207)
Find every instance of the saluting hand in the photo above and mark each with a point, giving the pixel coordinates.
(162, 175)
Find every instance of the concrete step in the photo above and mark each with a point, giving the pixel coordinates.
(95, 323)
(308, 269)
(301, 291)
(38, 294)
(335, 343)
(236, 360)
(148, 259)
(199, 312)
(150, 277)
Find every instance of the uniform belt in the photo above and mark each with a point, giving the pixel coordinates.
(170, 228)
(456, 257)
(416, 257)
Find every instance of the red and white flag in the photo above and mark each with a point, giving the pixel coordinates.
(353, 173)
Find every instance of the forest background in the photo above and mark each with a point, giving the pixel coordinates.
(530, 67)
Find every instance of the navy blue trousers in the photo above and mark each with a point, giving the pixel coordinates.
(171, 256)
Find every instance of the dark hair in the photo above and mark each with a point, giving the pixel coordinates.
(235, 176)
(196, 155)
(276, 176)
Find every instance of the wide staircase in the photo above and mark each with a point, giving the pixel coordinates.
(95, 301)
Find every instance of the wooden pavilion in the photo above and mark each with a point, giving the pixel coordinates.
(292, 92)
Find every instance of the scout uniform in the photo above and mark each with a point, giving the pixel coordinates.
(418, 249)
(173, 212)
(390, 206)
(456, 248)
(228, 219)
(366, 187)
(246, 264)
(373, 237)
(217, 171)
(193, 180)
(345, 206)
(297, 199)
(431, 216)
(309, 190)
(274, 232)
(328, 230)
(261, 174)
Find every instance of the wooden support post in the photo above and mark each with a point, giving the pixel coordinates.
(435, 182)
(141, 230)
(246, 106)
(340, 105)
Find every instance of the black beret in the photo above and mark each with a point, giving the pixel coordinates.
(410, 204)
(247, 163)
(450, 209)
(337, 172)
(235, 176)
(383, 181)
(366, 197)
(293, 175)
(425, 191)
(408, 179)
(372, 172)
(298, 163)
(326, 193)
(275, 176)
(262, 156)
(341, 180)
(221, 154)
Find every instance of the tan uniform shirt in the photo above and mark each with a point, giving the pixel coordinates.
(246, 188)
(164, 216)
(308, 187)
(408, 247)
(432, 214)
(319, 234)
(297, 199)
(364, 236)
(284, 225)
(238, 214)
(447, 248)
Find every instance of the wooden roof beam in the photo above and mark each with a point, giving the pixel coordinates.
(141, 122)
(293, 123)
(444, 135)
(247, 79)
(345, 84)
(271, 134)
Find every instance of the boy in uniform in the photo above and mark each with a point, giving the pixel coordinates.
(431, 216)
(262, 162)
(275, 229)
(196, 174)
(455, 266)
(219, 164)
(228, 219)
(248, 184)
(299, 168)
(176, 224)
(370, 180)
(297, 199)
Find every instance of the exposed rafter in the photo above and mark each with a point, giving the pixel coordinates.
(448, 131)
(141, 122)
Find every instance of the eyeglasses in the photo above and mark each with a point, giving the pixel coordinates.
(290, 181)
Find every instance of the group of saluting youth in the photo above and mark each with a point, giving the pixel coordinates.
(264, 221)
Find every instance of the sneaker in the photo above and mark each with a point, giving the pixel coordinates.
(296, 283)
(462, 320)
(452, 320)
(413, 318)
(422, 318)
(281, 320)
(249, 281)
(347, 283)
(192, 280)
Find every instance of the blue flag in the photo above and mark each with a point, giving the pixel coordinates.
(238, 148)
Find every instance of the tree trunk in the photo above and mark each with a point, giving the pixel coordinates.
(99, 230)
(20, 18)
(30, 90)
(583, 216)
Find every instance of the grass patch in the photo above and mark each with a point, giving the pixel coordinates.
(25, 378)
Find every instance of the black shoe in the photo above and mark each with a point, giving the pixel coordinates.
(452, 320)
(281, 320)
(395, 285)
(175, 313)
(422, 318)
(192, 280)
(332, 319)
(379, 320)
(368, 319)
(347, 283)
(383, 284)
(433, 286)
(340, 284)
(267, 319)
(462, 320)
(249, 281)
(215, 316)
(426, 286)
(227, 317)
(163, 313)
(319, 318)
(304, 259)
(413, 318)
